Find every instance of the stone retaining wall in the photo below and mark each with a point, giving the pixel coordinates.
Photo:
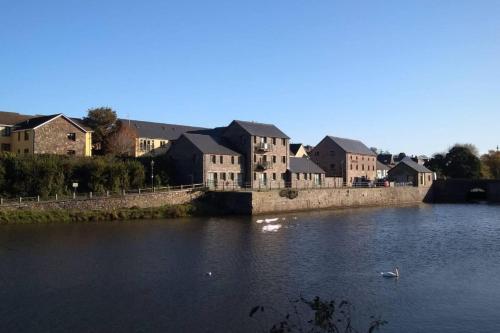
(145, 200)
(272, 201)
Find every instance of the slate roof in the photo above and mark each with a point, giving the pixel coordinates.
(12, 118)
(352, 146)
(40, 120)
(415, 166)
(294, 147)
(260, 129)
(209, 144)
(147, 129)
(302, 164)
(382, 166)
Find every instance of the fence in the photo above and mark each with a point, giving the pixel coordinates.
(90, 195)
(277, 185)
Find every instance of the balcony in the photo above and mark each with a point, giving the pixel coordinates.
(263, 165)
(263, 146)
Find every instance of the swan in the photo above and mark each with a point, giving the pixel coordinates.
(271, 220)
(208, 273)
(394, 274)
(259, 221)
(271, 227)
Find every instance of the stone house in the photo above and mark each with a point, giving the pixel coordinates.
(304, 173)
(346, 158)
(53, 134)
(201, 158)
(408, 171)
(265, 150)
(154, 138)
(298, 150)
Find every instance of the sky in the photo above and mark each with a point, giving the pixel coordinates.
(403, 76)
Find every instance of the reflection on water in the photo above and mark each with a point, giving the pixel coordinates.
(152, 275)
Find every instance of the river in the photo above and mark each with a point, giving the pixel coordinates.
(143, 276)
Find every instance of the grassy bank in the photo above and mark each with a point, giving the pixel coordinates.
(72, 216)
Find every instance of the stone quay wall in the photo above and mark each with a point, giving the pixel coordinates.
(308, 199)
(144, 200)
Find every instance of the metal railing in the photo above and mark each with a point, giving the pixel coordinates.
(19, 201)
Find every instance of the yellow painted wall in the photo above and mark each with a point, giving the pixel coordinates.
(156, 143)
(88, 144)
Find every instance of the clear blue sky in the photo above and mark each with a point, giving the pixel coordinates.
(413, 76)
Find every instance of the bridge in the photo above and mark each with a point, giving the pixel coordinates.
(466, 190)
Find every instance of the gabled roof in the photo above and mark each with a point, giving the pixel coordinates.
(413, 165)
(352, 146)
(382, 166)
(294, 148)
(260, 129)
(12, 118)
(209, 144)
(35, 122)
(147, 129)
(302, 164)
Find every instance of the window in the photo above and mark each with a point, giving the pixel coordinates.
(72, 136)
(363, 158)
(70, 152)
(274, 175)
(332, 153)
(231, 175)
(5, 147)
(26, 150)
(274, 141)
(363, 167)
(264, 139)
(18, 136)
(305, 176)
(148, 145)
(254, 158)
(283, 176)
(232, 159)
(214, 159)
(223, 175)
(6, 131)
(221, 159)
(356, 158)
(297, 175)
(274, 159)
(357, 167)
(255, 176)
(316, 153)
(264, 158)
(283, 159)
(283, 141)
(255, 139)
(152, 144)
(351, 166)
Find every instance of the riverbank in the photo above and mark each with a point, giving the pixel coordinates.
(82, 216)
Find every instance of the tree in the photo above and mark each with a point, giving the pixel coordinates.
(461, 162)
(121, 141)
(491, 164)
(102, 121)
(437, 164)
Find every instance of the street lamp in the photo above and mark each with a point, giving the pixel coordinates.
(152, 175)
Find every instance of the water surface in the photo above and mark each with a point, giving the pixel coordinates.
(150, 275)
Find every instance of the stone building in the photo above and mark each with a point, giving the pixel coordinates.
(53, 134)
(298, 150)
(154, 138)
(346, 158)
(265, 150)
(201, 158)
(304, 173)
(410, 172)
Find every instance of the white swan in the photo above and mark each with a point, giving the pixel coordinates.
(271, 220)
(394, 274)
(271, 227)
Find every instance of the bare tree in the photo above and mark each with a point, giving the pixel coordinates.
(121, 141)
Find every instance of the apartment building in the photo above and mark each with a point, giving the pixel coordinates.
(346, 158)
(154, 138)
